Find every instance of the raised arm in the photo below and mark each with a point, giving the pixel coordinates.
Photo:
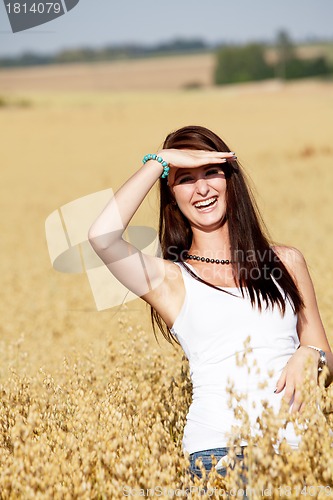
(139, 272)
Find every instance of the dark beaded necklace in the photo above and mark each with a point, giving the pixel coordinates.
(207, 259)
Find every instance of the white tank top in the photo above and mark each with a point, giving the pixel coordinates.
(211, 327)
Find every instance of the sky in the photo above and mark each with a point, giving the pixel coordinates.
(97, 23)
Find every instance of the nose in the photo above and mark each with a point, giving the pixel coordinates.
(201, 186)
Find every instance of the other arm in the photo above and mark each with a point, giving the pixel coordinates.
(310, 331)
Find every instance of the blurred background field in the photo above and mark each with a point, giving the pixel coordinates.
(58, 352)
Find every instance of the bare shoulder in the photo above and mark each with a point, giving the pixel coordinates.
(292, 258)
(288, 253)
(168, 297)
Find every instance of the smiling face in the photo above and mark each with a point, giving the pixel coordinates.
(200, 194)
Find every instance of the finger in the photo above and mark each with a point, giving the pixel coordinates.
(217, 160)
(228, 156)
(221, 159)
(288, 395)
(281, 382)
(296, 404)
(226, 153)
(212, 154)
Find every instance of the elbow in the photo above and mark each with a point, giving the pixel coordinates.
(103, 241)
(97, 241)
(92, 238)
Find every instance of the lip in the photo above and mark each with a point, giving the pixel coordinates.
(206, 199)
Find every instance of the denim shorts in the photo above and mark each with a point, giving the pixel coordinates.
(205, 456)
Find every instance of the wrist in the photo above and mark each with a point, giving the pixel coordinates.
(321, 355)
(156, 158)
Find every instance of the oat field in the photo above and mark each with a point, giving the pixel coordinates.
(91, 406)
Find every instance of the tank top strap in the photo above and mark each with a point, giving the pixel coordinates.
(190, 282)
(184, 272)
(187, 273)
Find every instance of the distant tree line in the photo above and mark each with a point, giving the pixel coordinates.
(235, 64)
(109, 53)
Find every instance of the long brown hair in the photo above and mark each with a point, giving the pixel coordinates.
(256, 262)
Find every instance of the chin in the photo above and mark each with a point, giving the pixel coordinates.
(210, 225)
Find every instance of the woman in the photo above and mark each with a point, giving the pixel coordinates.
(219, 283)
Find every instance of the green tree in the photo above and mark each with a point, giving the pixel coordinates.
(286, 54)
(290, 66)
(241, 64)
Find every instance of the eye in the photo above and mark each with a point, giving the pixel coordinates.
(214, 171)
(186, 178)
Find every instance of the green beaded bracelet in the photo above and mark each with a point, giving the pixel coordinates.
(164, 164)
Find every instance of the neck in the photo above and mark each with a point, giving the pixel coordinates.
(213, 244)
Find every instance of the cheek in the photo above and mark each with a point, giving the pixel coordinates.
(183, 195)
(221, 187)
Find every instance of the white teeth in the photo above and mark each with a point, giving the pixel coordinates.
(204, 203)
